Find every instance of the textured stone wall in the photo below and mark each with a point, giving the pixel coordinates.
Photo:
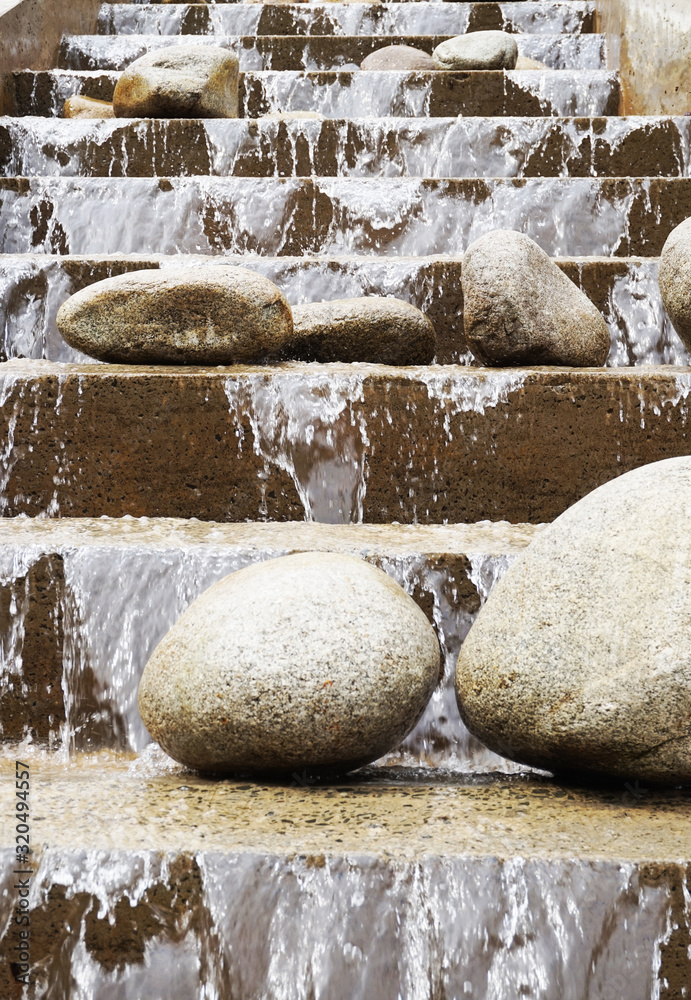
(650, 40)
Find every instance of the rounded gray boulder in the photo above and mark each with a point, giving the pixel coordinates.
(674, 277)
(372, 329)
(580, 660)
(398, 57)
(314, 661)
(519, 308)
(181, 81)
(477, 50)
(205, 316)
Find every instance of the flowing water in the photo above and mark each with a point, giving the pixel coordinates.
(477, 912)
(355, 926)
(346, 19)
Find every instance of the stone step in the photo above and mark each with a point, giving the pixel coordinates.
(331, 443)
(626, 291)
(93, 598)
(383, 885)
(347, 94)
(563, 17)
(360, 147)
(285, 52)
(344, 215)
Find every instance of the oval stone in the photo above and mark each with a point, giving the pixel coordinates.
(204, 316)
(398, 57)
(372, 329)
(180, 81)
(674, 277)
(316, 662)
(580, 660)
(521, 309)
(477, 50)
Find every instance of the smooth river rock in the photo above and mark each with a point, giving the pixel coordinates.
(373, 329)
(398, 57)
(87, 107)
(520, 309)
(477, 50)
(674, 276)
(183, 81)
(580, 660)
(211, 315)
(308, 663)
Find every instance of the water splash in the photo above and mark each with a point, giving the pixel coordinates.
(314, 428)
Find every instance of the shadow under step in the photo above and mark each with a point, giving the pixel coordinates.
(352, 94)
(563, 17)
(411, 445)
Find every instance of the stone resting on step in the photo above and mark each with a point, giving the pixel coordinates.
(520, 309)
(314, 662)
(478, 50)
(580, 660)
(398, 57)
(183, 81)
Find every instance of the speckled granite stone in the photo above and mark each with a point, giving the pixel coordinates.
(312, 661)
(580, 659)
(184, 81)
(373, 329)
(521, 309)
(398, 57)
(477, 50)
(210, 315)
(675, 279)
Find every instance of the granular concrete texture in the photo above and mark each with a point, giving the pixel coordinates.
(165, 442)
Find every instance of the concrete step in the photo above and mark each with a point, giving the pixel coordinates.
(626, 291)
(360, 147)
(348, 94)
(93, 598)
(563, 17)
(284, 52)
(344, 215)
(441, 889)
(330, 443)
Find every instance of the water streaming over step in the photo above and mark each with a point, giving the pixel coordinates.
(389, 147)
(91, 52)
(120, 597)
(356, 926)
(344, 94)
(551, 17)
(578, 216)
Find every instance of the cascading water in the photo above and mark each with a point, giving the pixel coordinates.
(126, 583)
(91, 52)
(346, 19)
